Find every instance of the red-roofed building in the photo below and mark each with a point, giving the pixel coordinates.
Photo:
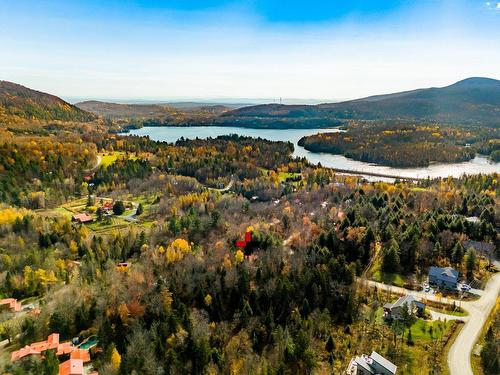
(36, 348)
(52, 343)
(10, 304)
(83, 218)
(71, 367)
(82, 354)
(64, 348)
(107, 206)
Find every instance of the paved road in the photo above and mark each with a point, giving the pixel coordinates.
(460, 352)
(421, 295)
(479, 310)
(435, 315)
(224, 189)
(97, 164)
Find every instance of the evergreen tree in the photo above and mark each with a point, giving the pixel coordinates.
(470, 262)
(139, 210)
(118, 208)
(50, 364)
(457, 253)
(490, 354)
(409, 339)
(390, 260)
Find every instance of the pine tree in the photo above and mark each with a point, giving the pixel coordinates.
(390, 260)
(118, 208)
(409, 338)
(50, 364)
(457, 253)
(490, 354)
(470, 262)
(139, 210)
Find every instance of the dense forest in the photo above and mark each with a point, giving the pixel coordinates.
(190, 301)
(133, 249)
(406, 145)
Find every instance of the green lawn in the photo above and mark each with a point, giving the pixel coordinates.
(63, 211)
(99, 226)
(129, 212)
(449, 312)
(109, 158)
(389, 278)
(284, 175)
(421, 330)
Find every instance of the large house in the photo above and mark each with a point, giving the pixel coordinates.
(71, 367)
(52, 343)
(373, 364)
(395, 310)
(82, 218)
(10, 304)
(446, 277)
(75, 364)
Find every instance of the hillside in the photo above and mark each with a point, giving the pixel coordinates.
(155, 114)
(470, 101)
(115, 110)
(19, 103)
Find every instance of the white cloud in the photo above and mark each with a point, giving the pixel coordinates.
(493, 6)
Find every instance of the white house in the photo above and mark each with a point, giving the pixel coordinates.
(373, 364)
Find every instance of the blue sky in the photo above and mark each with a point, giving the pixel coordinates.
(176, 50)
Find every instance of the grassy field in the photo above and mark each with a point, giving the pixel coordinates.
(283, 176)
(431, 340)
(109, 158)
(102, 226)
(448, 311)
(389, 278)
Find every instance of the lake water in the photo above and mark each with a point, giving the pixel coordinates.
(479, 164)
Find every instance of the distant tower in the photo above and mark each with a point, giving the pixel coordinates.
(280, 100)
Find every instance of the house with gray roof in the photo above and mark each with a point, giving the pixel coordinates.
(395, 310)
(446, 278)
(373, 364)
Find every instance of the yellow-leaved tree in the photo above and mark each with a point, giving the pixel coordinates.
(116, 359)
(239, 256)
(177, 249)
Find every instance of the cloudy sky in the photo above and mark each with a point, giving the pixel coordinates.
(182, 49)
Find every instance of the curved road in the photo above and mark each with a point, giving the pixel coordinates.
(460, 352)
(479, 310)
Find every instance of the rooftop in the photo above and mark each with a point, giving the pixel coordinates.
(12, 304)
(71, 367)
(408, 299)
(83, 218)
(446, 273)
(384, 362)
(371, 364)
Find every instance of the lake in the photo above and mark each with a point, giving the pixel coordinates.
(479, 164)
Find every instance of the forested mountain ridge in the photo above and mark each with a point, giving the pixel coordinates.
(21, 103)
(118, 110)
(472, 100)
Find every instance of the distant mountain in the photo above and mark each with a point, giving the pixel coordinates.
(149, 111)
(21, 103)
(115, 110)
(472, 100)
